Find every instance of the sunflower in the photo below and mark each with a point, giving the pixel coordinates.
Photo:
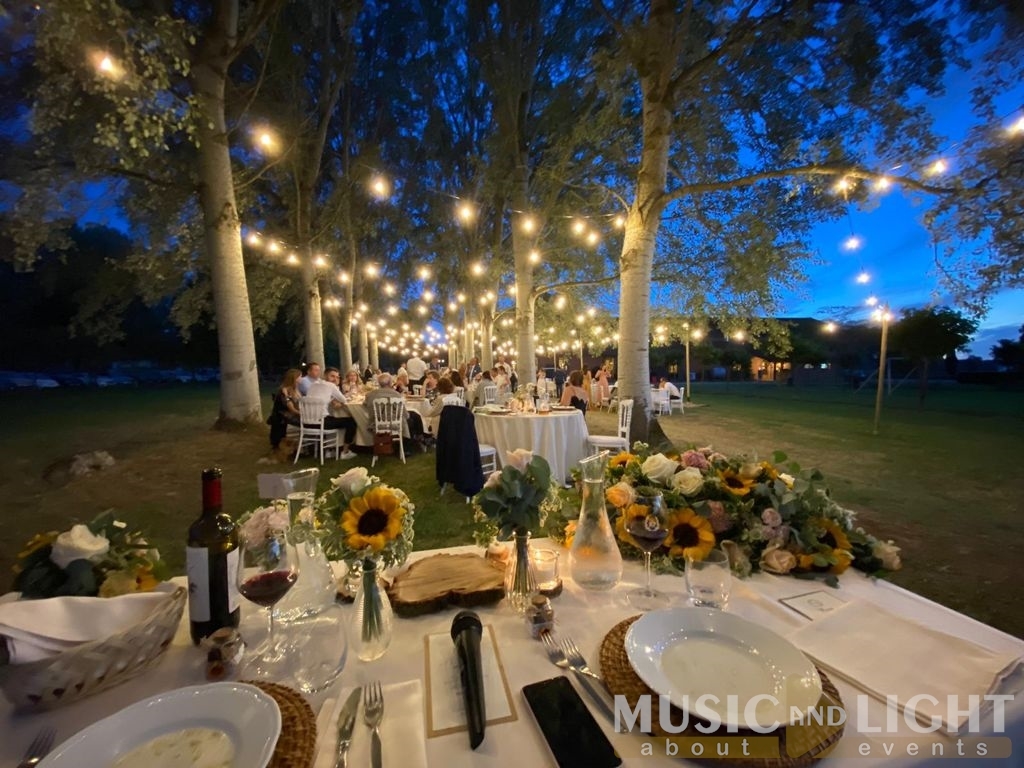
(735, 484)
(832, 536)
(620, 460)
(843, 561)
(37, 542)
(689, 535)
(372, 520)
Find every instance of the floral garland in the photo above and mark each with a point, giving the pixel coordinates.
(361, 518)
(766, 515)
(102, 558)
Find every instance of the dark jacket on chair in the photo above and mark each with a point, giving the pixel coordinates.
(458, 451)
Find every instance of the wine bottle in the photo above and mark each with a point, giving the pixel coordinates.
(211, 563)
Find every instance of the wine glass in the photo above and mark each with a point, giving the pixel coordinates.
(267, 568)
(646, 523)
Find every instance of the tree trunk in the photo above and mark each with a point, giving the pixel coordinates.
(364, 351)
(522, 243)
(345, 340)
(239, 378)
(374, 354)
(312, 313)
(486, 344)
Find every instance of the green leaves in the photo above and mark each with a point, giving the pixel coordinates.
(514, 499)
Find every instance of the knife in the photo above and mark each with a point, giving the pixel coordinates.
(346, 724)
(598, 693)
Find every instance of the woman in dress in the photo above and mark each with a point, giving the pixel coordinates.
(604, 388)
(286, 408)
(573, 392)
(352, 386)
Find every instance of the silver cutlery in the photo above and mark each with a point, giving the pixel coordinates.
(557, 655)
(39, 748)
(588, 678)
(346, 724)
(576, 660)
(373, 713)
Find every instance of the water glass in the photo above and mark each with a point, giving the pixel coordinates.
(545, 568)
(300, 507)
(708, 581)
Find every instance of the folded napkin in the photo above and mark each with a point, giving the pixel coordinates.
(885, 654)
(38, 629)
(402, 735)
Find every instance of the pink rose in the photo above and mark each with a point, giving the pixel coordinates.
(771, 518)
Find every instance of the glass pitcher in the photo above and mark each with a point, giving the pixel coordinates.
(316, 588)
(594, 559)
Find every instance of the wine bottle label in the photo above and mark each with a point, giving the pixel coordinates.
(197, 569)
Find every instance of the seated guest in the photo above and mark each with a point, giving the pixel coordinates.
(326, 389)
(478, 391)
(673, 390)
(445, 386)
(353, 385)
(368, 374)
(312, 374)
(402, 385)
(573, 392)
(386, 389)
(286, 408)
(457, 379)
(430, 385)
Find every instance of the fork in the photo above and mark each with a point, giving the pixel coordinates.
(575, 658)
(39, 748)
(373, 713)
(557, 656)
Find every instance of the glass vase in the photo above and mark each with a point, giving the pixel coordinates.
(373, 617)
(520, 580)
(316, 590)
(595, 562)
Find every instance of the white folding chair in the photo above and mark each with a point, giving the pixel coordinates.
(598, 443)
(660, 402)
(312, 430)
(453, 399)
(488, 459)
(460, 392)
(389, 417)
(490, 393)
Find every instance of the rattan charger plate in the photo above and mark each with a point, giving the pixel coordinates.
(620, 678)
(296, 747)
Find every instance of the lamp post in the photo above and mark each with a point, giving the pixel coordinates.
(696, 334)
(883, 314)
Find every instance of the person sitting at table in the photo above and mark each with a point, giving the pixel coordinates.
(402, 385)
(327, 390)
(386, 389)
(285, 410)
(458, 380)
(673, 390)
(430, 385)
(574, 394)
(312, 374)
(478, 390)
(353, 385)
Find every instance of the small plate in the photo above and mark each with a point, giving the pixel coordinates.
(563, 407)
(685, 653)
(249, 717)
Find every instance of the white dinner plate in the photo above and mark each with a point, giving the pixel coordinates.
(685, 653)
(249, 717)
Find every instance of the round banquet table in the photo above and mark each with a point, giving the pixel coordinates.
(560, 437)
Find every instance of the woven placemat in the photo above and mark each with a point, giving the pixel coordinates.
(296, 747)
(620, 678)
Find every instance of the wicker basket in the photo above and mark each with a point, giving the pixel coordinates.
(96, 666)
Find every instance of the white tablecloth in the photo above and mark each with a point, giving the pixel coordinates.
(586, 617)
(363, 417)
(560, 437)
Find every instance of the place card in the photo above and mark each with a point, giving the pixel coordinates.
(813, 605)
(446, 711)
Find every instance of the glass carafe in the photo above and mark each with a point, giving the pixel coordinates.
(316, 588)
(594, 559)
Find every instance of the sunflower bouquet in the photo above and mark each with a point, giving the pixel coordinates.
(360, 518)
(767, 515)
(103, 558)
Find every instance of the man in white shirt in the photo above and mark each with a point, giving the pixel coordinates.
(330, 394)
(312, 374)
(416, 369)
(672, 389)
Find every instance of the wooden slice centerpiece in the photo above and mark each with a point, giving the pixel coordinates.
(437, 582)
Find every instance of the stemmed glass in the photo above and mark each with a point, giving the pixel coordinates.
(267, 569)
(646, 523)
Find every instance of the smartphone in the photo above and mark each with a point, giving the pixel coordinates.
(575, 738)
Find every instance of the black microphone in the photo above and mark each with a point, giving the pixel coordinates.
(466, 632)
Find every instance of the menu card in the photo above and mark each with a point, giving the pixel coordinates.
(446, 711)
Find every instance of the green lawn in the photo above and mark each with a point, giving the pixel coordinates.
(946, 482)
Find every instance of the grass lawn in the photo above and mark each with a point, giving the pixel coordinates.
(946, 482)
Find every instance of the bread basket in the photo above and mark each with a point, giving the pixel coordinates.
(96, 666)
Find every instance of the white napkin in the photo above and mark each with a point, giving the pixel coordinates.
(883, 653)
(39, 629)
(402, 733)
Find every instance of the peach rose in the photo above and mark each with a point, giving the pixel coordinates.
(778, 560)
(620, 495)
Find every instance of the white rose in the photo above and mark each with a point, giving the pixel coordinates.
(520, 458)
(687, 482)
(787, 479)
(353, 482)
(889, 554)
(660, 468)
(78, 544)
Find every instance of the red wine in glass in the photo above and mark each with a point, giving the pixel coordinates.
(266, 589)
(648, 532)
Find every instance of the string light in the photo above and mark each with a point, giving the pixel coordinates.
(466, 212)
(534, 256)
(1016, 127)
(528, 224)
(319, 261)
(292, 259)
(872, 301)
(619, 221)
(852, 243)
(939, 166)
(863, 278)
(593, 238)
